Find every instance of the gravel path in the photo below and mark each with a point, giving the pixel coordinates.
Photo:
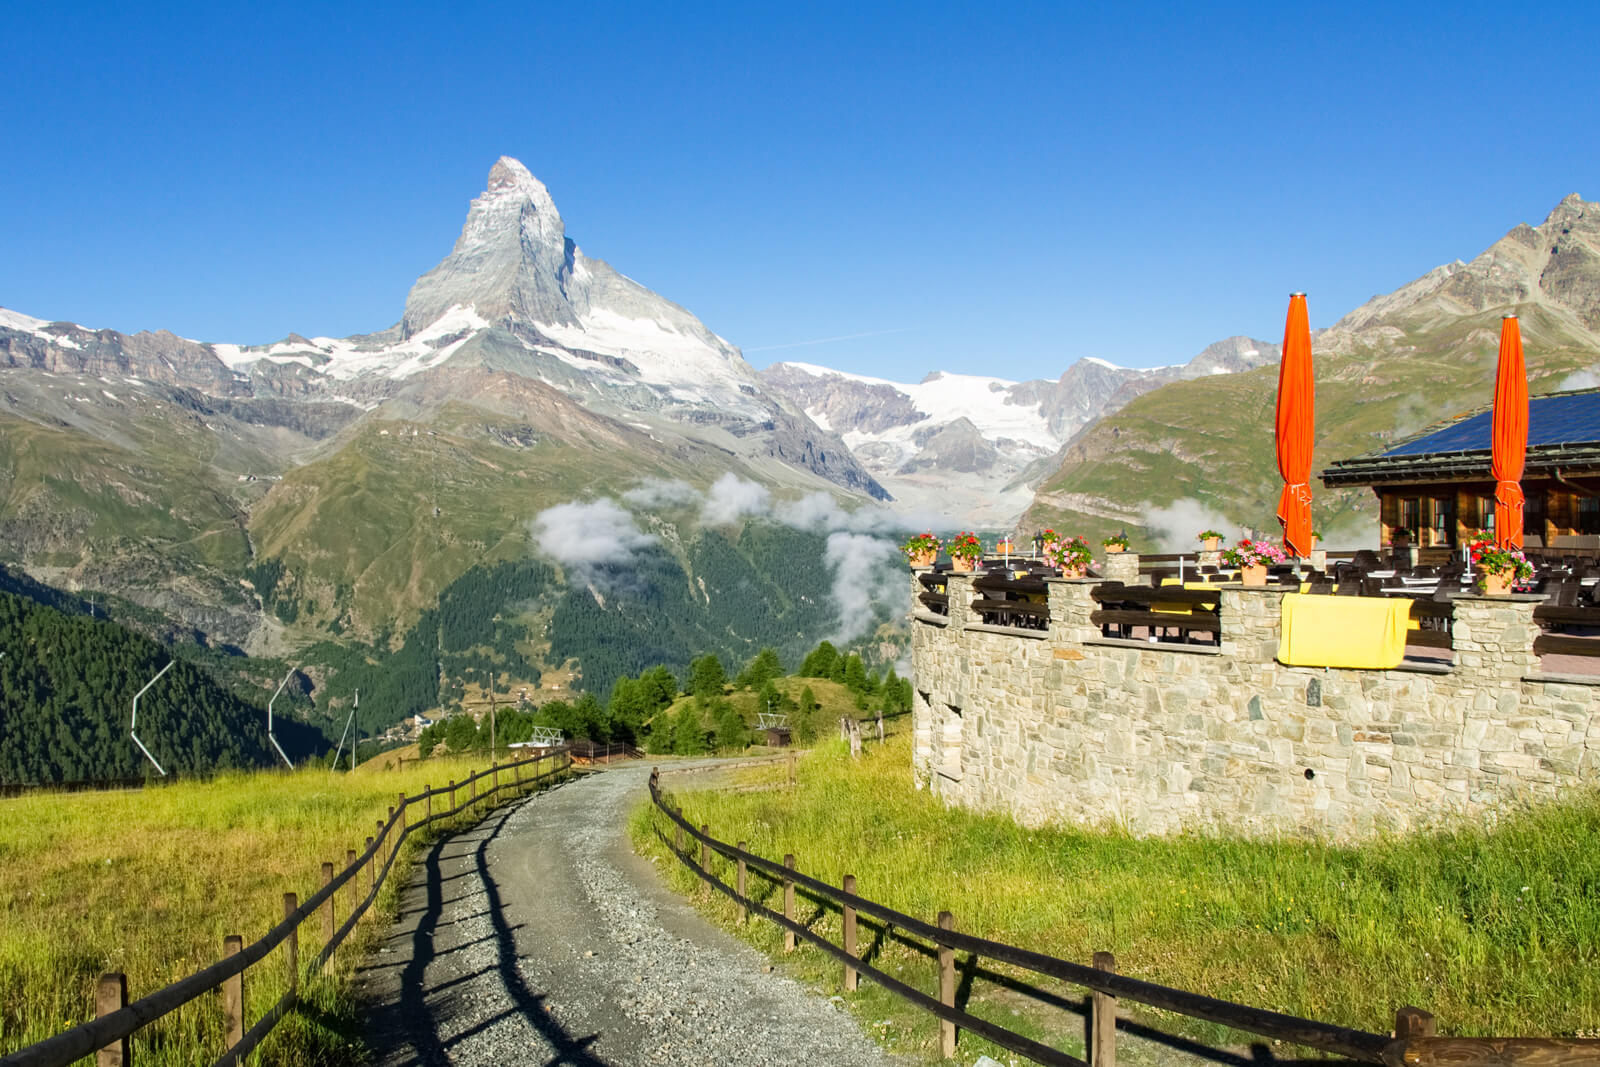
(538, 937)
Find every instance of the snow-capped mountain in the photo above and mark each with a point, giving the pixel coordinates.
(517, 296)
(925, 441)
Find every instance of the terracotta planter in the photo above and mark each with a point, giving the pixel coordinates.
(1211, 544)
(1256, 575)
(961, 564)
(1113, 548)
(923, 559)
(1073, 572)
(1496, 583)
(1005, 548)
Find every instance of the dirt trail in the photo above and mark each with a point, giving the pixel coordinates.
(538, 937)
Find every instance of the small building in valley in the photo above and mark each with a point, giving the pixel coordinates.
(1438, 485)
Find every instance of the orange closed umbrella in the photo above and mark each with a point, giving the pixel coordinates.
(1510, 435)
(1296, 388)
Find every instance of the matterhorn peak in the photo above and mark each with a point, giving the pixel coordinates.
(512, 259)
(509, 178)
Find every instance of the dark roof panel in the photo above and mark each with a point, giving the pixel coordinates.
(1557, 419)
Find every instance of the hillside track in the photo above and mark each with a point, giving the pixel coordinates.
(539, 937)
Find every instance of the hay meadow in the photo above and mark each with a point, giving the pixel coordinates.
(149, 882)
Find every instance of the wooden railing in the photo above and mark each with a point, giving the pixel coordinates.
(1553, 618)
(117, 1020)
(1189, 616)
(1413, 1044)
(1018, 603)
(586, 751)
(933, 597)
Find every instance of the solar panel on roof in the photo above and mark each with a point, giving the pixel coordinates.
(1562, 419)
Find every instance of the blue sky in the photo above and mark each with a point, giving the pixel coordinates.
(1001, 191)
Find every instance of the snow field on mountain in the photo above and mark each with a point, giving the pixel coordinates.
(945, 397)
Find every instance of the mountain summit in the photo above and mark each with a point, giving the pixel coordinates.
(512, 260)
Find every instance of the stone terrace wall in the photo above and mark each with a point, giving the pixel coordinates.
(1066, 725)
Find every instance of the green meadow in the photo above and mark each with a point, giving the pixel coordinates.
(1495, 928)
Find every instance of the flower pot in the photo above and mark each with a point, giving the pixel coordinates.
(922, 559)
(1113, 548)
(962, 564)
(1256, 575)
(1211, 544)
(1073, 572)
(1005, 548)
(1496, 583)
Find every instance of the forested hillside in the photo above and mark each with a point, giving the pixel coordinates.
(502, 626)
(66, 687)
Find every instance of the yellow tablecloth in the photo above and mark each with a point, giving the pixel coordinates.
(1343, 631)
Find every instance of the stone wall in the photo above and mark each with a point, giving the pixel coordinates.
(1065, 724)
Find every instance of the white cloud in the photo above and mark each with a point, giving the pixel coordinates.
(731, 498)
(866, 574)
(662, 493)
(1582, 379)
(1175, 526)
(588, 537)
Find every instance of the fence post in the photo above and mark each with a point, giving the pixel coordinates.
(427, 792)
(947, 988)
(472, 776)
(705, 855)
(233, 993)
(744, 912)
(372, 869)
(792, 760)
(788, 903)
(677, 836)
(494, 767)
(388, 837)
(404, 804)
(291, 946)
(355, 881)
(111, 994)
(1103, 1018)
(850, 934)
(452, 796)
(1412, 1022)
(327, 907)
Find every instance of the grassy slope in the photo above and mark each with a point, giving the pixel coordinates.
(833, 699)
(357, 531)
(65, 498)
(1495, 931)
(1212, 439)
(150, 882)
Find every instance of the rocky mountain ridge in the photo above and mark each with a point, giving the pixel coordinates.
(514, 295)
(970, 445)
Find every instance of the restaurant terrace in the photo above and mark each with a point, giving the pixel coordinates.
(1266, 687)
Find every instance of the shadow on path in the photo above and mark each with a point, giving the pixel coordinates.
(423, 1010)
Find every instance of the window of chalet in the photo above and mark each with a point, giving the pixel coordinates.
(1589, 515)
(1411, 514)
(1533, 508)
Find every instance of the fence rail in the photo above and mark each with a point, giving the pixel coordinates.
(117, 1021)
(1414, 1042)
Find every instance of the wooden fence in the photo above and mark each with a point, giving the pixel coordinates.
(108, 1036)
(1414, 1042)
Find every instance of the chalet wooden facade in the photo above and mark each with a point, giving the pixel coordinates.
(1437, 485)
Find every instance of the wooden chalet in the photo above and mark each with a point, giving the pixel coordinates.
(1437, 484)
